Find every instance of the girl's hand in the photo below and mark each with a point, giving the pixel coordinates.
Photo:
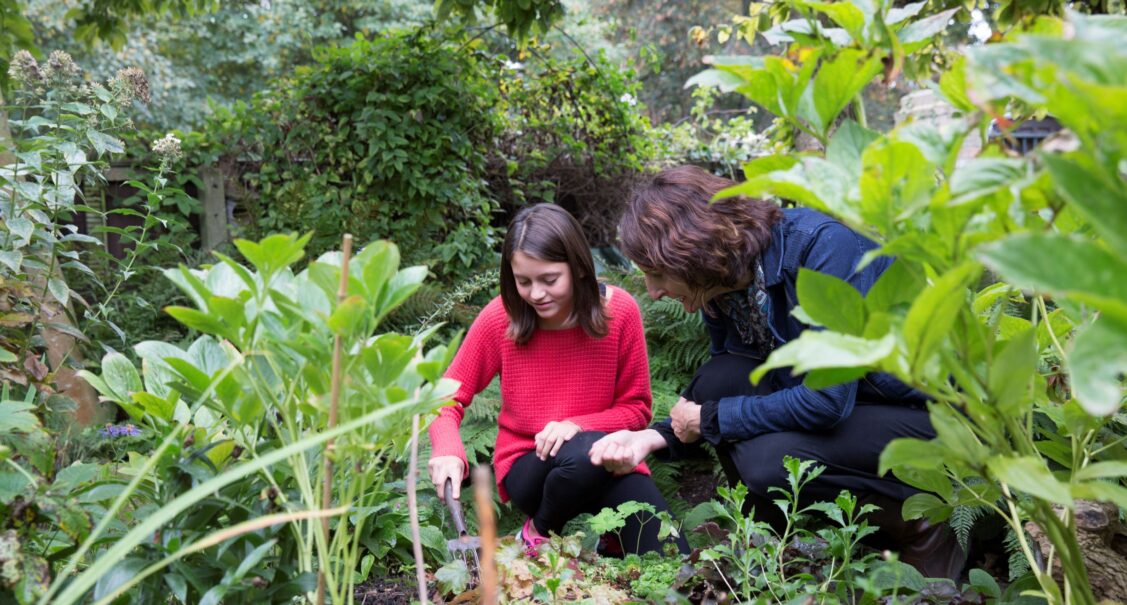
(551, 439)
(446, 467)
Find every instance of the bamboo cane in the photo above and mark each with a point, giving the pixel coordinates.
(413, 509)
(483, 500)
(334, 402)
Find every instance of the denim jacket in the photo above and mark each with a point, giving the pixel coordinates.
(810, 239)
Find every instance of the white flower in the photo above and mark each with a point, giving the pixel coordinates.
(168, 147)
(628, 99)
(513, 65)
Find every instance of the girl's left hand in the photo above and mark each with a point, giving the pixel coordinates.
(553, 436)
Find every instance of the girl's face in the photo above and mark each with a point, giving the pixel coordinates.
(546, 286)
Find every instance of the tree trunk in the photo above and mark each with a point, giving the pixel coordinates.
(1103, 544)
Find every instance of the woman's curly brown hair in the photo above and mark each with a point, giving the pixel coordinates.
(672, 226)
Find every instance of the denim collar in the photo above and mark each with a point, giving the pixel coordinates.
(772, 256)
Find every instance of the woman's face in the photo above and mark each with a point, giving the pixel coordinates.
(546, 286)
(660, 285)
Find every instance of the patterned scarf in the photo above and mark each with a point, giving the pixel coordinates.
(748, 311)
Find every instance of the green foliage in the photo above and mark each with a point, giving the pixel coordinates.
(383, 137)
(252, 397)
(1006, 438)
(223, 55)
(574, 134)
(521, 18)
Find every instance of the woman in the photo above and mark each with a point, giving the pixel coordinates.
(572, 359)
(737, 260)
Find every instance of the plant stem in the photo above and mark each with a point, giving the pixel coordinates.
(334, 402)
(859, 109)
(413, 509)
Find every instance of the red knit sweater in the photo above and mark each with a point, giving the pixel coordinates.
(601, 384)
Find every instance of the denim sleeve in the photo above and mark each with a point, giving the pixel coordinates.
(834, 250)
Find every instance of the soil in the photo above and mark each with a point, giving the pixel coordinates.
(390, 591)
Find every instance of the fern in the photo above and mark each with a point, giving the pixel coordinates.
(1018, 564)
(963, 520)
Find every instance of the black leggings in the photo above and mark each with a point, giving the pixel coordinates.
(850, 451)
(556, 490)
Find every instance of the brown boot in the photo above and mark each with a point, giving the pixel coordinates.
(933, 549)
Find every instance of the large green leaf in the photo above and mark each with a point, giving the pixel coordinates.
(1097, 364)
(848, 143)
(1011, 374)
(898, 285)
(896, 181)
(933, 313)
(980, 177)
(839, 81)
(1030, 475)
(1087, 188)
(1064, 266)
(831, 302)
(814, 350)
(911, 453)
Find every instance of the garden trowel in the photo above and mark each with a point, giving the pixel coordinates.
(464, 543)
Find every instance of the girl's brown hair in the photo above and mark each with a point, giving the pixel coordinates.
(549, 233)
(672, 226)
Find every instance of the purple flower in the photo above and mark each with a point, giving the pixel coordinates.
(114, 431)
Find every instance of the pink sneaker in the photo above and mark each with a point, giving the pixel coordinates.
(531, 545)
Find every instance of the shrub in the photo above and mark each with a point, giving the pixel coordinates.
(379, 138)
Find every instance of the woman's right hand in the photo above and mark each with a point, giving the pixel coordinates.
(446, 467)
(620, 452)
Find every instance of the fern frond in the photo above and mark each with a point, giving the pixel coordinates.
(963, 520)
(1018, 564)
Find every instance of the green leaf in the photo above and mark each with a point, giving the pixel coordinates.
(118, 575)
(898, 285)
(197, 320)
(897, 180)
(953, 85)
(1088, 189)
(933, 481)
(274, 252)
(984, 583)
(58, 289)
(848, 143)
(980, 177)
(831, 302)
(17, 416)
(814, 350)
(911, 453)
(845, 14)
(1030, 475)
(919, 33)
(918, 506)
(1097, 364)
(7, 356)
(840, 80)
(12, 484)
(1063, 266)
(933, 313)
(1011, 374)
(120, 376)
(1112, 469)
(103, 142)
(349, 316)
(22, 228)
(952, 430)
(12, 259)
(1100, 491)
(74, 476)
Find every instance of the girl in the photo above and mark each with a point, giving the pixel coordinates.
(572, 358)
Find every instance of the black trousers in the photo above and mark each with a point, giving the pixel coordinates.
(556, 490)
(850, 451)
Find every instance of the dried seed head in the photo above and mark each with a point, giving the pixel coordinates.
(24, 68)
(131, 83)
(60, 65)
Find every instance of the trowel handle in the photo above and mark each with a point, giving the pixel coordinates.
(455, 507)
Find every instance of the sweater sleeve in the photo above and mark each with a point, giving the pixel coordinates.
(632, 408)
(478, 360)
(835, 250)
